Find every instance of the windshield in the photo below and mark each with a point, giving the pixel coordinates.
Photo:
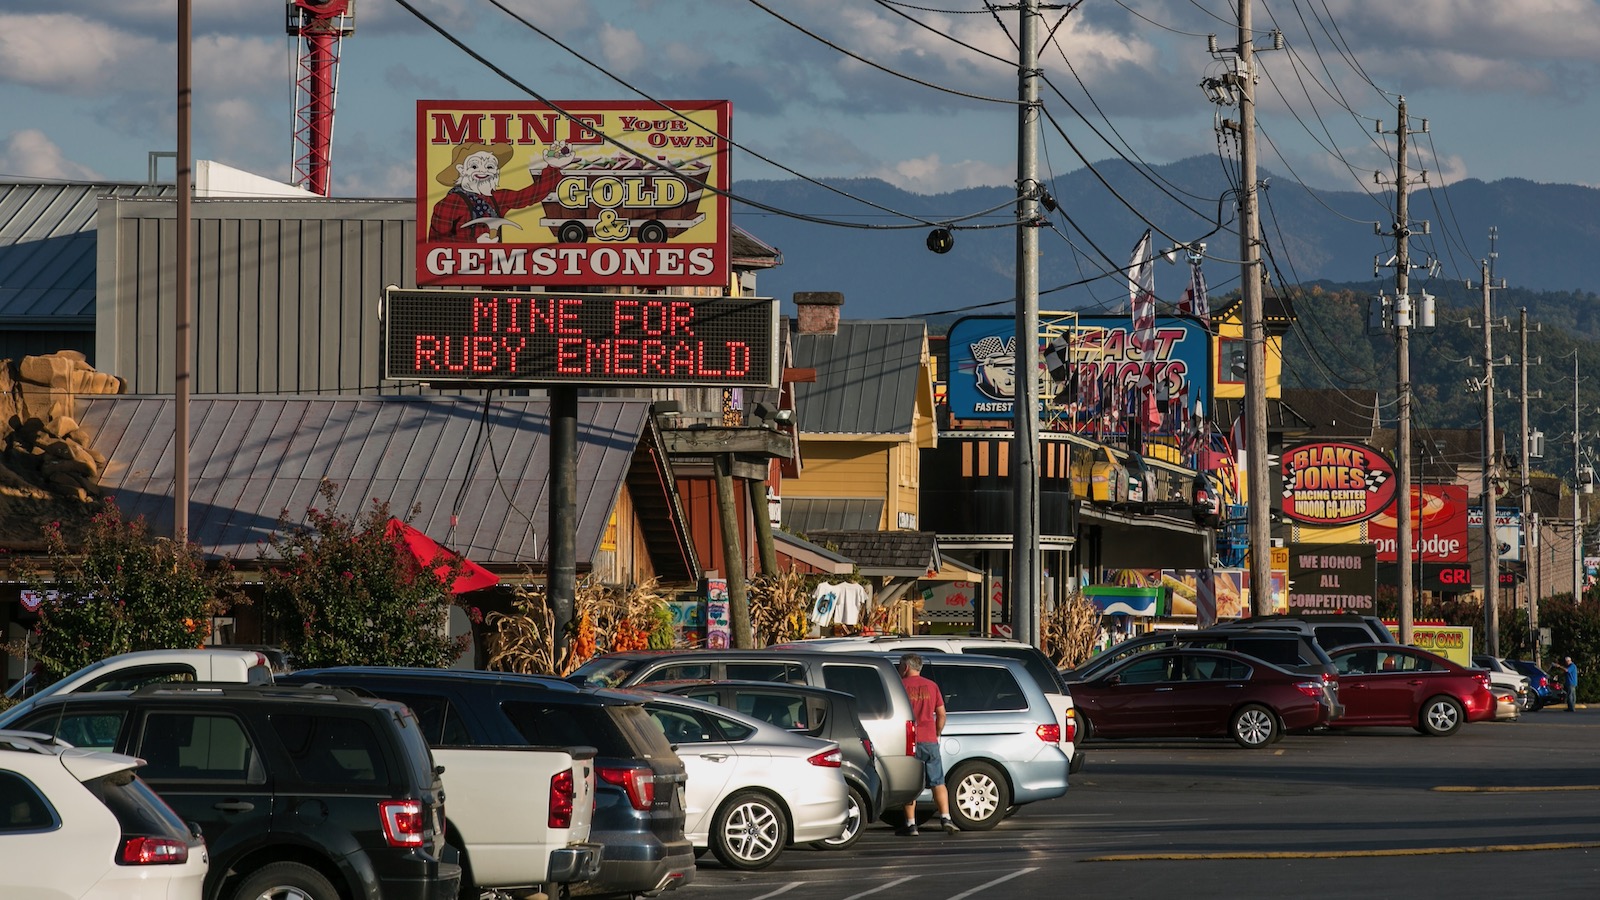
(603, 672)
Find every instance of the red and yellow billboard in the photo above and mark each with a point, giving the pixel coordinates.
(580, 193)
(1335, 483)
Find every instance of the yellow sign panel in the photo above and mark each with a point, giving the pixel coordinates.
(1453, 642)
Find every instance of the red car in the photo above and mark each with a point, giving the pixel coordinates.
(1391, 684)
(1188, 692)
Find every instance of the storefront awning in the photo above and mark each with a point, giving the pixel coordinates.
(1132, 541)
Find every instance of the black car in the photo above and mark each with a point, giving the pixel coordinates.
(814, 711)
(311, 793)
(638, 813)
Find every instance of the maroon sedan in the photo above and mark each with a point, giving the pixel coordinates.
(1389, 684)
(1187, 692)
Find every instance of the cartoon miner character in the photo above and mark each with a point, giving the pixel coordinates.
(475, 205)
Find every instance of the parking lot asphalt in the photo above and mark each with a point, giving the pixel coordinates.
(1499, 808)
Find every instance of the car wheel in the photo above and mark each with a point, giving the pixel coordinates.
(285, 881)
(1441, 716)
(573, 233)
(979, 796)
(1085, 727)
(1254, 726)
(749, 832)
(855, 818)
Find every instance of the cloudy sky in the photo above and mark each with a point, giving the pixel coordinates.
(1509, 88)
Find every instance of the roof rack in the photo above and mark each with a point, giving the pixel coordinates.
(319, 692)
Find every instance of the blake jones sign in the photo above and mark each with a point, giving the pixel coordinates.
(1335, 483)
(504, 337)
(579, 193)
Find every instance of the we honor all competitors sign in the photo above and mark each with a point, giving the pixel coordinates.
(575, 193)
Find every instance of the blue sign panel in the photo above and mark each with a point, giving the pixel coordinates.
(1091, 377)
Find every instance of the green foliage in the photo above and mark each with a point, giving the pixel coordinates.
(1575, 632)
(122, 590)
(346, 591)
(661, 636)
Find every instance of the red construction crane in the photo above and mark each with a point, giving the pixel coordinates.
(318, 26)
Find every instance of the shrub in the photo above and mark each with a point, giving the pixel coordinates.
(122, 590)
(344, 590)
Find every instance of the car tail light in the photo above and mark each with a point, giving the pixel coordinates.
(1544, 683)
(911, 737)
(563, 796)
(866, 743)
(1311, 689)
(153, 851)
(828, 759)
(1072, 726)
(638, 781)
(1050, 734)
(402, 822)
(1483, 679)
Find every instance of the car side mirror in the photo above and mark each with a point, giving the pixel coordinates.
(196, 830)
(438, 770)
(1113, 680)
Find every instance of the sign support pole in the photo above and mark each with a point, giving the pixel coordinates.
(562, 583)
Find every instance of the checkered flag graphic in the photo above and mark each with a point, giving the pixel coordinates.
(1375, 480)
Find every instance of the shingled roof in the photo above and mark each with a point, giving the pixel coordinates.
(885, 553)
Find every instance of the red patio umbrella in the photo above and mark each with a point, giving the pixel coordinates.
(427, 552)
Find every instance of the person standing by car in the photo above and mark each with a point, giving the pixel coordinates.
(1572, 684)
(927, 711)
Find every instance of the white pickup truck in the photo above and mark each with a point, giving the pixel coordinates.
(520, 814)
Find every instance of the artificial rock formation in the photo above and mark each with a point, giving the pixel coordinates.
(45, 449)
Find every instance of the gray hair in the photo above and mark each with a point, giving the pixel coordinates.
(912, 663)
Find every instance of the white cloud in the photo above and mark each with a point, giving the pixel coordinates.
(35, 51)
(931, 175)
(623, 51)
(31, 154)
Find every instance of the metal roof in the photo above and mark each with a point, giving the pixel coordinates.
(867, 377)
(253, 459)
(889, 553)
(804, 515)
(47, 249)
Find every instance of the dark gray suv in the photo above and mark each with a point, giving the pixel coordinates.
(309, 793)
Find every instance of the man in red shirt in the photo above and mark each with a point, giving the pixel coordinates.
(927, 711)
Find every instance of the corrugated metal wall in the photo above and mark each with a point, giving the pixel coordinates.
(286, 293)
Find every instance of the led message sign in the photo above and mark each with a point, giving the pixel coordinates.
(498, 337)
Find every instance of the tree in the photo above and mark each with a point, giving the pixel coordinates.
(122, 590)
(345, 590)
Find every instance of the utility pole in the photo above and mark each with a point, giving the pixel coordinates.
(1577, 476)
(1258, 516)
(1491, 458)
(1025, 558)
(1532, 446)
(1402, 345)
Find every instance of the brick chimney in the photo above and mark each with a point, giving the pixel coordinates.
(819, 311)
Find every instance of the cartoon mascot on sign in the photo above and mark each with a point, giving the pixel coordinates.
(474, 208)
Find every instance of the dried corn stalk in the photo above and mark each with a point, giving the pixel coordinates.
(779, 604)
(1070, 630)
(522, 641)
(604, 618)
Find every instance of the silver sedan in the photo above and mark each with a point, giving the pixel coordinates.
(753, 788)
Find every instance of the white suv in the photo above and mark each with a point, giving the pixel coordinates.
(79, 824)
(1502, 675)
(1037, 664)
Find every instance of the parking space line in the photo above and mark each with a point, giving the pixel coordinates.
(1508, 789)
(1347, 854)
(783, 890)
(881, 887)
(1001, 879)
